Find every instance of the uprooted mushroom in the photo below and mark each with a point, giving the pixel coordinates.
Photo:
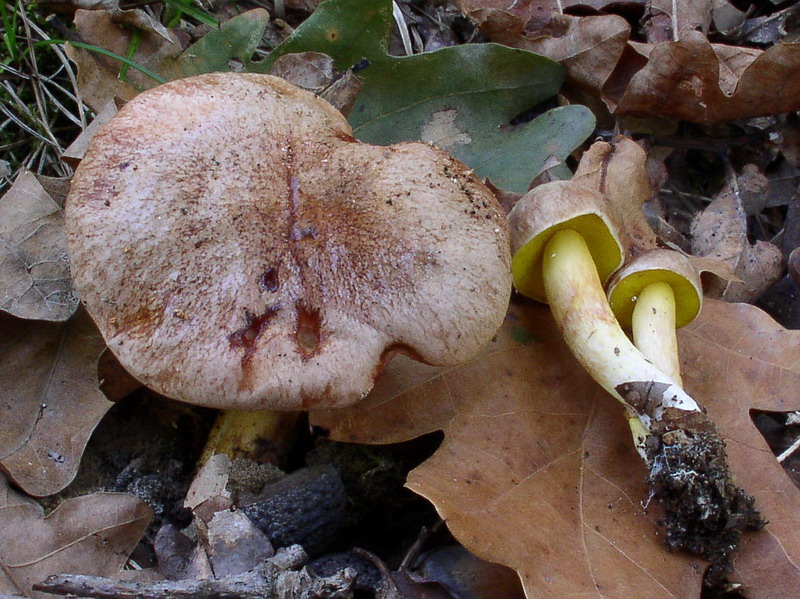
(567, 243)
(238, 248)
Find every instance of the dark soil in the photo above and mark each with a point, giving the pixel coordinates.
(705, 513)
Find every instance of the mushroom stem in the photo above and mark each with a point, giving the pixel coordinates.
(592, 332)
(261, 436)
(685, 458)
(653, 326)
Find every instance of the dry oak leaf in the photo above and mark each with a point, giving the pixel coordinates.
(667, 20)
(34, 268)
(697, 81)
(98, 76)
(688, 79)
(50, 401)
(719, 232)
(618, 170)
(537, 470)
(91, 535)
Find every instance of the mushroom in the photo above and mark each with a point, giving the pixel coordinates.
(653, 295)
(566, 243)
(239, 249)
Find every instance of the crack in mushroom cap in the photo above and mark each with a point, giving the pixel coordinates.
(238, 248)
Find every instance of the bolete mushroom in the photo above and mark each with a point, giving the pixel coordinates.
(238, 248)
(566, 243)
(653, 295)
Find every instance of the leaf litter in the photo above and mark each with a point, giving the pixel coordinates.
(618, 170)
(34, 267)
(51, 400)
(633, 561)
(93, 534)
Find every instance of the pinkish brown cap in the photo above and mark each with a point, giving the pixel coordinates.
(238, 248)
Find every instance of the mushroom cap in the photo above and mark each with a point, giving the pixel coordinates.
(238, 248)
(657, 266)
(554, 207)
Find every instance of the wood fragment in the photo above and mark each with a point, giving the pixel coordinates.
(273, 579)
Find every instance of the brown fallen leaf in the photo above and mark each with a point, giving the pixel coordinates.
(50, 401)
(666, 20)
(618, 170)
(34, 267)
(720, 232)
(92, 534)
(537, 470)
(697, 81)
(98, 76)
(134, 19)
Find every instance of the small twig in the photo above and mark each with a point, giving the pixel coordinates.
(388, 589)
(790, 450)
(416, 548)
(271, 579)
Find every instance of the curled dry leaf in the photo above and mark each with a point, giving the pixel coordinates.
(50, 401)
(92, 534)
(34, 268)
(98, 76)
(618, 170)
(697, 81)
(537, 471)
(720, 233)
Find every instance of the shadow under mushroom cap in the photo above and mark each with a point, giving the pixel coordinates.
(238, 248)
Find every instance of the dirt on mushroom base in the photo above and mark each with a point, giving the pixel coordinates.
(705, 513)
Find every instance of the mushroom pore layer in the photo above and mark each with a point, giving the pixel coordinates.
(238, 248)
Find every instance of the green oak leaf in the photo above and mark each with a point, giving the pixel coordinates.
(462, 98)
(236, 39)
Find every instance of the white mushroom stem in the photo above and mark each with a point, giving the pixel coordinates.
(592, 332)
(653, 326)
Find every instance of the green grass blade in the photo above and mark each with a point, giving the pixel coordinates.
(10, 32)
(102, 51)
(133, 47)
(194, 12)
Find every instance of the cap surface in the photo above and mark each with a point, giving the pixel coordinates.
(657, 266)
(554, 207)
(238, 248)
